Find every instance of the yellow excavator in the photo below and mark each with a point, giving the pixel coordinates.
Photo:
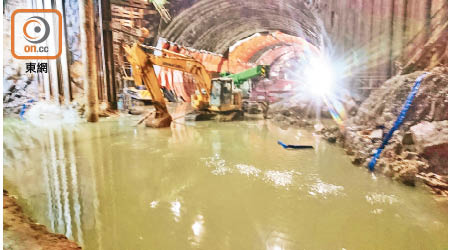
(212, 96)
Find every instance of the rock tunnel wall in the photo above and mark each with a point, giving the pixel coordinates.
(216, 25)
(374, 37)
(380, 36)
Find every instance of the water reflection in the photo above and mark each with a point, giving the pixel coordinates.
(276, 241)
(56, 181)
(248, 170)
(325, 189)
(175, 208)
(112, 185)
(153, 204)
(374, 198)
(279, 178)
(197, 230)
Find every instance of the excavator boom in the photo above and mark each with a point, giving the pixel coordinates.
(143, 72)
(239, 78)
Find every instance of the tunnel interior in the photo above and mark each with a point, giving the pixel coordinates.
(249, 31)
(217, 25)
(284, 35)
(228, 124)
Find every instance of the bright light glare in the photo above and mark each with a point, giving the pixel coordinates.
(276, 247)
(175, 207)
(197, 228)
(319, 77)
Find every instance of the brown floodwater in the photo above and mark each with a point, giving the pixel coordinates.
(210, 185)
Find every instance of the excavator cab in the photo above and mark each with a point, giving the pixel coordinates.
(224, 97)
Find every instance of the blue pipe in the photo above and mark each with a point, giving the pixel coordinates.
(399, 120)
(294, 146)
(22, 111)
(24, 107)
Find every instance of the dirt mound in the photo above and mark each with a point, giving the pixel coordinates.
(297, 113)
(384, 104)
(20, 232)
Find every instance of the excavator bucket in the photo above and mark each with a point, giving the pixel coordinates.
(143, 72)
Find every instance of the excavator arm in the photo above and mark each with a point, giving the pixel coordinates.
(239, 78)
(143, 72)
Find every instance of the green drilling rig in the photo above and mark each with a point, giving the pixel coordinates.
(239, 78)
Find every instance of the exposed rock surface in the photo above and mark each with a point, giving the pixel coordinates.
(296, 113)
(19, 92)
(18, 86)
(433, 53)
(20, 232)
(418, 150)
(431, 142)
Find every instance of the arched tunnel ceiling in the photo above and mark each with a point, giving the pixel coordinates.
(215, 25)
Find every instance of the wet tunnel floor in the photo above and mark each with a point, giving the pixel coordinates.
(210, 185)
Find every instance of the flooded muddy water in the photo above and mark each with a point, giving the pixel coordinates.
(210, 185)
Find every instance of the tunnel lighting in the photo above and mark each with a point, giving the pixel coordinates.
(287, 87)
(319, 76)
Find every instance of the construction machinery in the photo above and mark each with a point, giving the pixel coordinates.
(212, 96)
(266, 92)
(241, 77)
(251, 104)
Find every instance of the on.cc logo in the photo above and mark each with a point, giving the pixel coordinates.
(40, 28)
(36, 34)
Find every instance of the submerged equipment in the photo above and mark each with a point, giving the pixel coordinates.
(294, 146)
(399, 120)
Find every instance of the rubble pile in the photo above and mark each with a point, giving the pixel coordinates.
(418, 150)
(297, 113)
(19, 89)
